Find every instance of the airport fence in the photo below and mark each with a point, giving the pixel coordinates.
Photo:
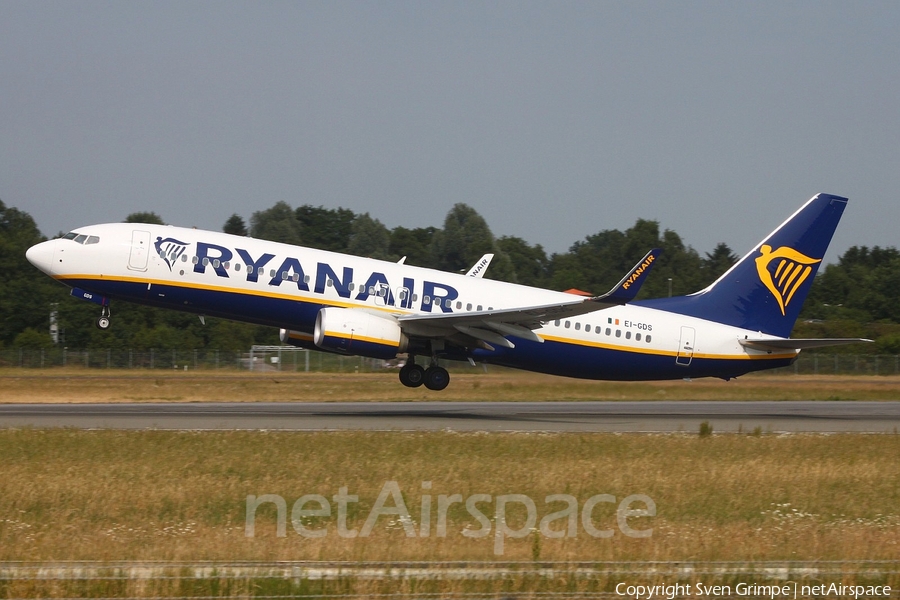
(258, 358)
(288, 358)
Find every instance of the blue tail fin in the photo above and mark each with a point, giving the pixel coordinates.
(765, 290)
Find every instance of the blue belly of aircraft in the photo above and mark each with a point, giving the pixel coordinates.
(591, 362)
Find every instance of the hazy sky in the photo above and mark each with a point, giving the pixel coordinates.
(554, 120)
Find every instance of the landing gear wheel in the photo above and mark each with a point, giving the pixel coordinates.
(436, 378)
(412, 375)
(103, 320)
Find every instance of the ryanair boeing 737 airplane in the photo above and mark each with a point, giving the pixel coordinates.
(359, 306)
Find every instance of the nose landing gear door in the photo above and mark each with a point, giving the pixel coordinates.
(685, 347)
(140, 250)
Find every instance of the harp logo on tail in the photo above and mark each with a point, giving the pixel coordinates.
(783, 271)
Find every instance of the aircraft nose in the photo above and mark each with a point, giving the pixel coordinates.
(41, 255)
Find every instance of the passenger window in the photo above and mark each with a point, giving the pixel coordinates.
(296, 277)
(351, 286)
(272, 273)
(426, 300)
(618, 333)
(568, 324)
(627, 335)
(469, 306)
(184, 258)
(556, 322)
(195, 260)
(305, 279)
(648, 339)
(329, 282)
(577, 326)
(637, 337)
(458, 305)
(479, 308)
(597, 330)
(205, 261)
(415, 297)
(227, 265)
(215, 263)
(284, 275)
(237, 266)
(93, 240)
(608, 331)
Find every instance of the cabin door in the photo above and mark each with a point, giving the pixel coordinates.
(140, 250)
(685, 347)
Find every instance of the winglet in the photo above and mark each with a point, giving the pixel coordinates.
(627, 289)
(481, 266)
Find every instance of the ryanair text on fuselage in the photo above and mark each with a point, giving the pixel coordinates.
(290, 271)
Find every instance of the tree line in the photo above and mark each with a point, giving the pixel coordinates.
(859, 296)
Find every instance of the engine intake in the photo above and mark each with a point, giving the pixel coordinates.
(358, 332)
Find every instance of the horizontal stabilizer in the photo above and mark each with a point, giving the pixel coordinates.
(799, 343)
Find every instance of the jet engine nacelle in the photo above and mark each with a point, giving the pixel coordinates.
(359, 332)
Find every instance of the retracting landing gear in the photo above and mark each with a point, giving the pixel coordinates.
(103, 319)
(434, 377)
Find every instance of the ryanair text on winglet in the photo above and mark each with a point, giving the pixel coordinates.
(638, 272)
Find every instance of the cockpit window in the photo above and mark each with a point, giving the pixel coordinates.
(81, 238)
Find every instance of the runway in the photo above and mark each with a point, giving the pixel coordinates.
(623, 417)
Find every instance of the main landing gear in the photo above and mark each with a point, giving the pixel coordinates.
(103, 319)
(434, 377)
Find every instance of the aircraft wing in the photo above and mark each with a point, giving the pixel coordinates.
(491, 325)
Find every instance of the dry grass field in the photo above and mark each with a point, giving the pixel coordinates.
(111, 495)
(96, 385)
